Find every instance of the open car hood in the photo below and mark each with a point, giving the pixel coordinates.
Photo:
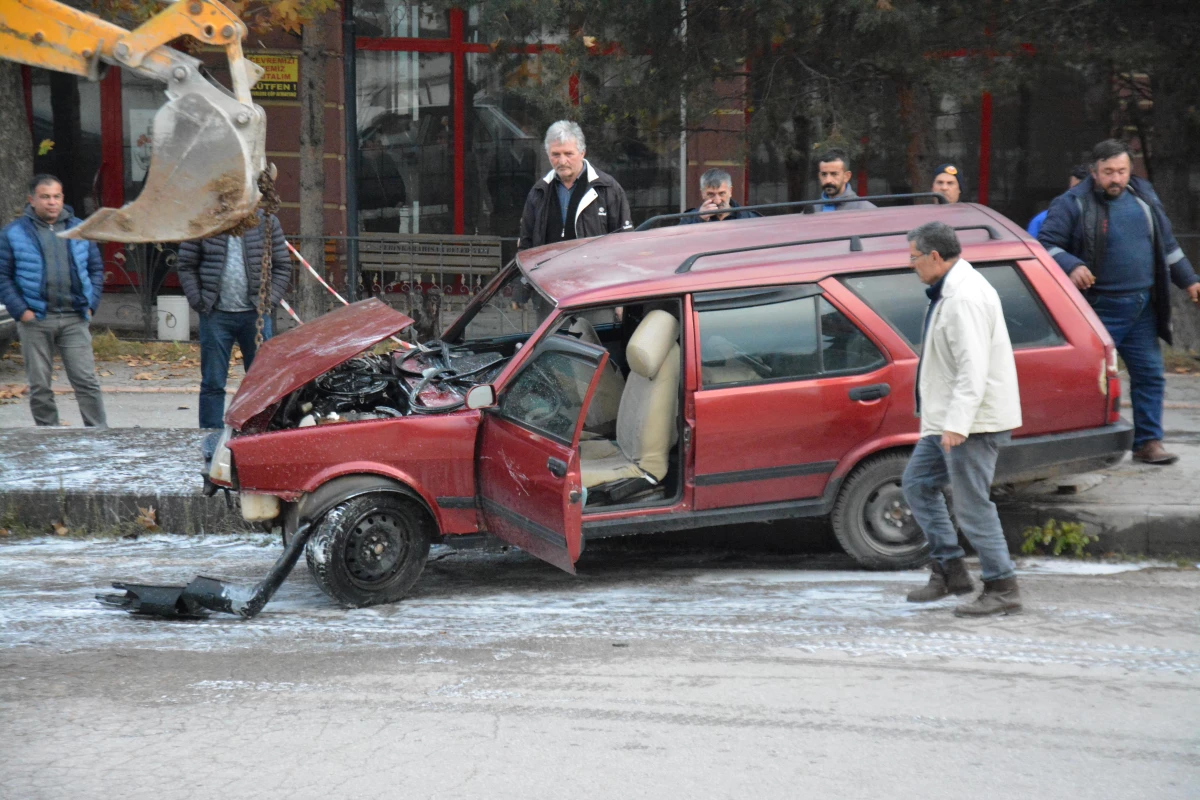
(288, 361)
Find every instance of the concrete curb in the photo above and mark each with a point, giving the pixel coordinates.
(97, 512)
(1160, 531)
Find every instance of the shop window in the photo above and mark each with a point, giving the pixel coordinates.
(388, 18)
(66, 113)
(406, 142)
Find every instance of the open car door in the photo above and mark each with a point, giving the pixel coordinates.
(528, 459)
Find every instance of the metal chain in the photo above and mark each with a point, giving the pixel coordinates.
(264, 282)
(268, 205)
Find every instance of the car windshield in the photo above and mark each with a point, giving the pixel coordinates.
(511, 307)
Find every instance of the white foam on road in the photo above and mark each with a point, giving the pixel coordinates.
(499, 600)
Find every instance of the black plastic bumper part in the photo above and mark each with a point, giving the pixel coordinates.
(205, 594)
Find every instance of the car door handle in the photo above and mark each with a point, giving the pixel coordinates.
(873, 392)
(557, 467)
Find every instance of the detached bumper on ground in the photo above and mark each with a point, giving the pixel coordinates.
(206, 594)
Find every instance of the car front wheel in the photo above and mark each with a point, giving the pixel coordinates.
(872, 519)
(370, 550)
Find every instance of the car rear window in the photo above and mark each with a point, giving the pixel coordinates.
(775, 335)
(899, 297)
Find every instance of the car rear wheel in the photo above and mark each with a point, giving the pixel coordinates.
(872, 520)
(6, 340)
(370, 549)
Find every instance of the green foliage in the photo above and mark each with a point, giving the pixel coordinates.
(1055, 537)
(819, 72)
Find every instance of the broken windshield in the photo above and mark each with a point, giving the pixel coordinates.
(509, 306)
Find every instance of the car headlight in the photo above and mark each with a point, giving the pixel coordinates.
(221, 470)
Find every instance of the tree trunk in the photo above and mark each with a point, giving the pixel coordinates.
(917, 122)
(311, 297)
(16, 145)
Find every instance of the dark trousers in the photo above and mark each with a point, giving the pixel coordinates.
(219, 330)
(1133, 326)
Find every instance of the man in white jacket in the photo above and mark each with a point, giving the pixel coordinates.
(969, 404)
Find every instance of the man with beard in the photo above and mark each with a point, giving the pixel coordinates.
(833, 173)
(1112, 237)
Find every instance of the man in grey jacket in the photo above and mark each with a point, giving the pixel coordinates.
(968, 401)
(221, 277)
(833, 173)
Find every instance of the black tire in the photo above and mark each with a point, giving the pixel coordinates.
(370, 549)
(6, 341)
(871, 518)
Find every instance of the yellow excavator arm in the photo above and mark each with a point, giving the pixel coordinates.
(208, 143)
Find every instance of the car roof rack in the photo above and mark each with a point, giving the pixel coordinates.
(938, 197)
(854, 239)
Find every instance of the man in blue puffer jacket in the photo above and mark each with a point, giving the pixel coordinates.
(52, 286)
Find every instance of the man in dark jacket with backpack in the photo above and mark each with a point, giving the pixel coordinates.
(574, 200)
(1112, 237)
(221, 277)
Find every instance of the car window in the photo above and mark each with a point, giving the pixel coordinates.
(548, 394)
(1028, 323)
(776, 337)
(899, 297)
(515, 308)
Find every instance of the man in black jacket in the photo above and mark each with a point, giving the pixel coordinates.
(1112, 237)
(221, 276)
(716, 187)
(574, 200)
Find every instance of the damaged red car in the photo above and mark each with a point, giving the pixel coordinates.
(739, 371)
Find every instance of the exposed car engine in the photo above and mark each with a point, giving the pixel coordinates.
(432, 379)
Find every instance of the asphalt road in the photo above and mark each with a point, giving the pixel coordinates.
(656, 672)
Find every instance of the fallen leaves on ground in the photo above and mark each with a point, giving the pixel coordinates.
(147, 518)
(148, 376)
(12, 391)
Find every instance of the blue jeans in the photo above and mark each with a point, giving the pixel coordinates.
(1133, 326)
(218, 332)
(968, 471)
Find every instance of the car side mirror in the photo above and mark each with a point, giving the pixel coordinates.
(482, 396)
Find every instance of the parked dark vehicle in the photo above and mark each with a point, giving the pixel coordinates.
(8, 330)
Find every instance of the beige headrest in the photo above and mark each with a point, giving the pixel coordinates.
(651, 343)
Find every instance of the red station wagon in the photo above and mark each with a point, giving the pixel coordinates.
(736, 371)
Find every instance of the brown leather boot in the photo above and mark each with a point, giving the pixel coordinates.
(1152, 452)
(952, 578)
(998, 597)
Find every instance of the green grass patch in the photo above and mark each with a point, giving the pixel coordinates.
(108, 347)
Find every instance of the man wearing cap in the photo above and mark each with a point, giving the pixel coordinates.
(946, 182)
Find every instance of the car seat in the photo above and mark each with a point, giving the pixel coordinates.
(606, 401)
(647, 419)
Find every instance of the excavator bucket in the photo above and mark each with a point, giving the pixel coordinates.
(202, 179)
